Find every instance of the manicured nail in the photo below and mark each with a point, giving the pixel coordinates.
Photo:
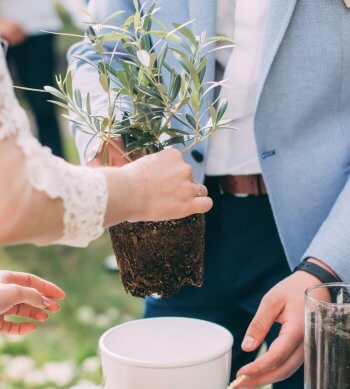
(46, 301)
(238, 381)
(248, 342)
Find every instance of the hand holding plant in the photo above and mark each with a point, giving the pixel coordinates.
(153, 81)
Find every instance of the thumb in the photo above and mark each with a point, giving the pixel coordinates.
(261, 324)
(30, 296)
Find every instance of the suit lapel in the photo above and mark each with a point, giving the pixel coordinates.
(281, 12)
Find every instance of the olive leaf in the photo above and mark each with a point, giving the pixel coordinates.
(135, 56)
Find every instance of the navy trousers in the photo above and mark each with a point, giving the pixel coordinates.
(33, 64)
(244, 259)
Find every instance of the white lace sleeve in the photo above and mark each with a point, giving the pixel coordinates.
(83, 190)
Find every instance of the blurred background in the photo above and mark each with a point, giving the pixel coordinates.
(63, 352)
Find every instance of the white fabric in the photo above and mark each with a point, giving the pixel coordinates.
(83, 190)
(230, 151)
(37, 15)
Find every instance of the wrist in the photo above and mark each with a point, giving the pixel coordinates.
(323, 265)
(123, 202)
(319, 270)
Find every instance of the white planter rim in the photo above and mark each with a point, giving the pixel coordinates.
(166, 365)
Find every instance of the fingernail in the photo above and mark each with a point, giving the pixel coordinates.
(238, 381)
(248, 342)
(42, 316)
(46, 301)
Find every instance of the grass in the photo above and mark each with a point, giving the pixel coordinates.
(95, 301)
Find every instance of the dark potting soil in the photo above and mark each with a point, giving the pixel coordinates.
(329, 342)
(160, 257)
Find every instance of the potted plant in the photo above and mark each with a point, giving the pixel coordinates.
(149, 115)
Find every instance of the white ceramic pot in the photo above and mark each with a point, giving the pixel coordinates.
(166, 353)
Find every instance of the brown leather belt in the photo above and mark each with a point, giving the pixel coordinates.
(252, 185)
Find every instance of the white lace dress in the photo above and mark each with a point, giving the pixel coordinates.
(83, 190)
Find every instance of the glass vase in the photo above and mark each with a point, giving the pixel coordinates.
(327, 337)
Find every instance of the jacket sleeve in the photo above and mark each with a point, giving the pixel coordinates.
(331, 244)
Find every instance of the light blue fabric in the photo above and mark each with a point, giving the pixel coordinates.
(302, 124)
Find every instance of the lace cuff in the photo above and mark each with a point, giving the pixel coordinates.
(83, 190)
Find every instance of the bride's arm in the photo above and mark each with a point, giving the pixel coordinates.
(43, 199)
(26, 215)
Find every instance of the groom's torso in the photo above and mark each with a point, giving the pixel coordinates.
(302, 124)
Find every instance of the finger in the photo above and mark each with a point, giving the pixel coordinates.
(22, 294)
(8, 327)
(28, 312)
(261, 324)
(31, 281)
(53, 306)
(279, 352)
(200, 190)
(280, 374)
(201, 205)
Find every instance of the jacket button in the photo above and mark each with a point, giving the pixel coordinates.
(197, 156)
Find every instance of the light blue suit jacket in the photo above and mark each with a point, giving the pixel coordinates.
(302, 124)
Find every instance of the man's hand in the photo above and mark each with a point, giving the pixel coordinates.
(283, 304)
(12, 32)
(115, 155)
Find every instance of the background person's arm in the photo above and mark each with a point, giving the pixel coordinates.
(11, 31)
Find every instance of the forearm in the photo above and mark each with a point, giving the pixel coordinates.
(27, 215)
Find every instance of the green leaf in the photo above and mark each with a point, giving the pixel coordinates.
(69, 84)
(90, 32)
(189, 66)
(104, 81)
(194, 100)
(162, 55)
(62, 105)
(173, 141)
(176, 87)
(222, 109)
(212, 114)
(78, 99)
(184, 102)
(191, 120)
(55, 92)
(175, 131)
(136, 5)
(88, 103)
(113, 37)
(98, 46)
(187, 33)
(123, 78)
(137, 19)
(143, 57)
(220, 38)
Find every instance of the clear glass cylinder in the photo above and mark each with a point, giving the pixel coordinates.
(327, 337)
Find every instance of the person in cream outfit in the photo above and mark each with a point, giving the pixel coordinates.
(280, 183)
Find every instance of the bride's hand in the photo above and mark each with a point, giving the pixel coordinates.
(153, 188)
(25, 295)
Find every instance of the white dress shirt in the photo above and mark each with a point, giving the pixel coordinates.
(234, 152)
